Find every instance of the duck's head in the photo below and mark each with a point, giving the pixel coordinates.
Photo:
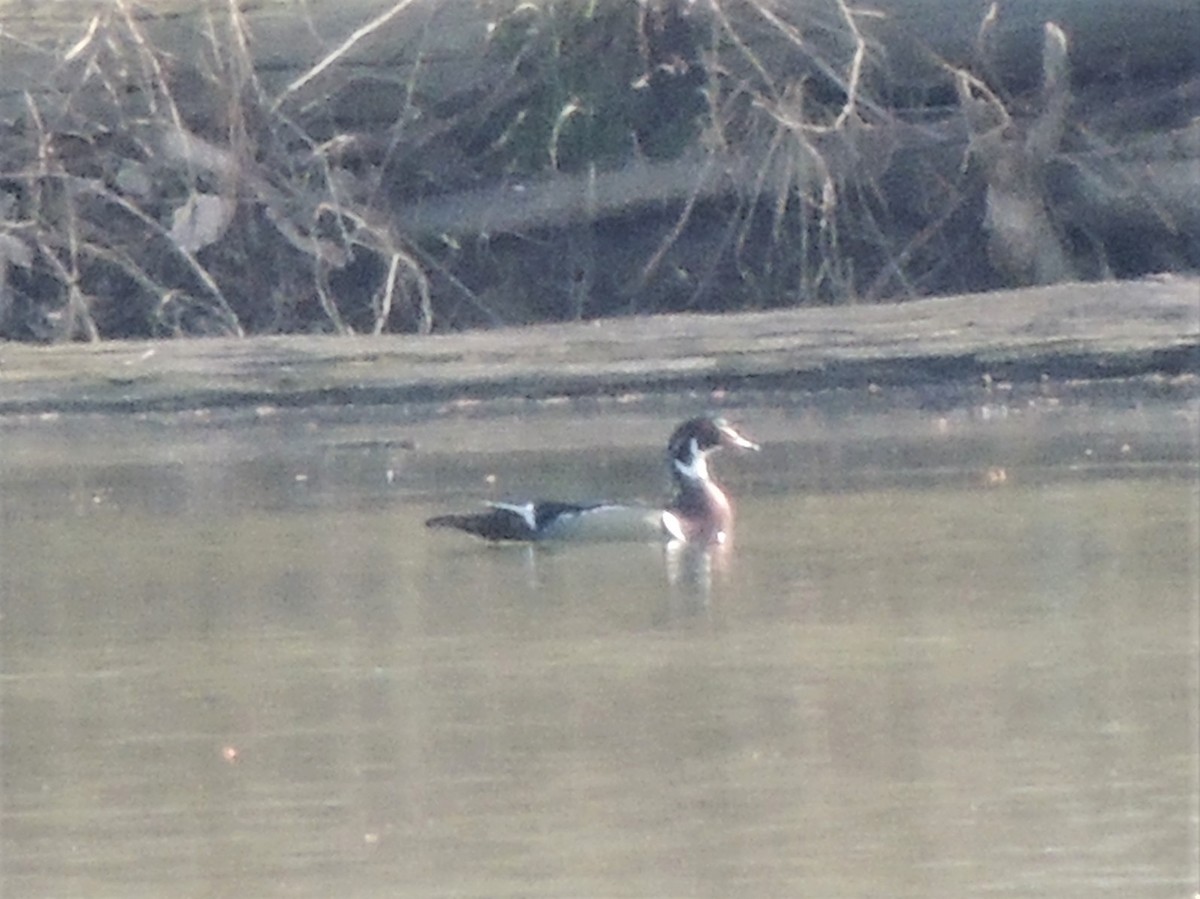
(693, 441)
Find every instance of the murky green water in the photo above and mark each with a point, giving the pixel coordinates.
(951, 653)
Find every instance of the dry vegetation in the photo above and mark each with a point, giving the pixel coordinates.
(613, 157)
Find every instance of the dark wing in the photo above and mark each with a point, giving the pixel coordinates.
(510, 521)
(547, 511)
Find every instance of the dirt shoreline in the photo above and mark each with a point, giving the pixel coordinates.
(1073, 332)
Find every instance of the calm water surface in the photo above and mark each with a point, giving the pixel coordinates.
(952, 653)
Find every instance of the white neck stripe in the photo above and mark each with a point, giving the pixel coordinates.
(695, 467)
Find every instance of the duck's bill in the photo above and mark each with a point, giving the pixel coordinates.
(733, 438)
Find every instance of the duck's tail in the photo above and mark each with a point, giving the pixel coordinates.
(494, 525)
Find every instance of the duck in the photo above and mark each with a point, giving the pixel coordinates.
(699, 513)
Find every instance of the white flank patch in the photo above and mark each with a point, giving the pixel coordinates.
(525, 510)
(673, 526)
(697, 467)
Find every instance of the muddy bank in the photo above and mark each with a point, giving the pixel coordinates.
(1076, 331)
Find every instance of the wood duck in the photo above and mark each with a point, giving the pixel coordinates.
(699, 513)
